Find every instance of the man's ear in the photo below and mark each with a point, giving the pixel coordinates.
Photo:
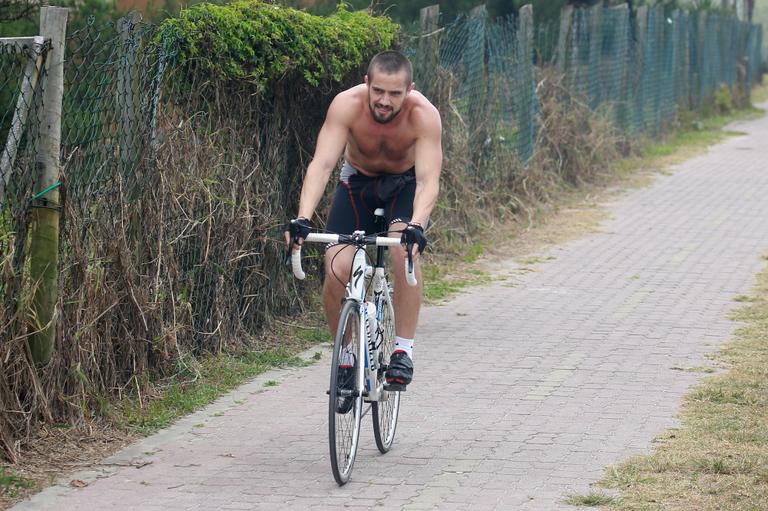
(411, 86)
(366, 79)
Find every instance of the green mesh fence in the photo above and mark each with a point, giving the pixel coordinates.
(642, 67)
(645, 66)
(490, 64)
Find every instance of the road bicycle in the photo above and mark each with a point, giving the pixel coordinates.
(367, 332)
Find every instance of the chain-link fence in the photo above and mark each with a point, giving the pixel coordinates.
(22, 78)
(111, 97)
(174, 190)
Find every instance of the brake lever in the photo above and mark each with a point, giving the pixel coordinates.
(289, 250)
(410, 274)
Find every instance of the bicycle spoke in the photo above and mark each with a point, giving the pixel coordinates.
(386, 412)
(345, 401)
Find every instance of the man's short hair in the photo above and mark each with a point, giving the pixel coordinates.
(391, 62)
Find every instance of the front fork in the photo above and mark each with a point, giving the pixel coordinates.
(374, 365)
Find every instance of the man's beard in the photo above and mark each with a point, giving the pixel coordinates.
(383, 120)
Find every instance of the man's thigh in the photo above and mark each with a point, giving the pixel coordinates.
(399, 209)
(349, 210)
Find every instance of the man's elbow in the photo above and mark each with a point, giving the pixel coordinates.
(320, 168)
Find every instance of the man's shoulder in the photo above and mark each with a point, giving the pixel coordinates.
(347, 100)
(423, 111)
(354, 94)
(346, 105)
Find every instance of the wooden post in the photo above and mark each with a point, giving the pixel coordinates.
(703, 74)
(620, 93)
(595, 58)
(429, 50)
(477, 78)
(44, 230)
(640, 70)
(526, 115)
(566, 17)
(127, 93)
(576, 67)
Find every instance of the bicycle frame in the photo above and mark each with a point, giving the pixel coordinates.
(370, 328)
(367, 381)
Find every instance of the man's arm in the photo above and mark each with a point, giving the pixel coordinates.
(330, 143)
(429, 161)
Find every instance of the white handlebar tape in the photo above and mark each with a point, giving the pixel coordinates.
(296, 265)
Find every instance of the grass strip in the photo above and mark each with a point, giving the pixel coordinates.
(718, 458)
(202, 381)
(11, 483)
(589, 500)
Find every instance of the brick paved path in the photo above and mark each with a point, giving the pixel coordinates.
(525, 389)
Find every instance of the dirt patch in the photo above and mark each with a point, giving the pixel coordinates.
(55, 452)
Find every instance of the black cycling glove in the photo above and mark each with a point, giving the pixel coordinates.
(414, 234)
(299, 228)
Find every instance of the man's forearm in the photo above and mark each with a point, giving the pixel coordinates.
(424, 201)
(312, 189)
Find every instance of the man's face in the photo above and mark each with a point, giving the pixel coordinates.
(386, 94)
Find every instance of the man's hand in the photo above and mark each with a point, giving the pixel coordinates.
(414, 234)
(296, 231)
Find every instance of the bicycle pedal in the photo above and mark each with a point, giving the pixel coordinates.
(394, 387)
(343, 393)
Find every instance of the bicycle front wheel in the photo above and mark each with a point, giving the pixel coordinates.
(345, 404)
(386, 411)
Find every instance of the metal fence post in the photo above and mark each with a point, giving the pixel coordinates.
(44, 236)
(33, 47)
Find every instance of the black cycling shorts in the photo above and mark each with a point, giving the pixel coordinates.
(358, 196)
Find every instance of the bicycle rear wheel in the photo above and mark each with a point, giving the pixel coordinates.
(345, 404)
(386, 412)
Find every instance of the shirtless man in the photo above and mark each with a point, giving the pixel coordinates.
(391, 138)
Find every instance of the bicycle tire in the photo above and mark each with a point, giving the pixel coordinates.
(344, 426)
(386, 412)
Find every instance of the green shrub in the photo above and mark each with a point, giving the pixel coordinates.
(249, 40)
(723, 100)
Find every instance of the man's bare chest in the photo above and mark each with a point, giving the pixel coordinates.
(387, 143)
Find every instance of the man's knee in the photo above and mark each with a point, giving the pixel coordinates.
(338, 265)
